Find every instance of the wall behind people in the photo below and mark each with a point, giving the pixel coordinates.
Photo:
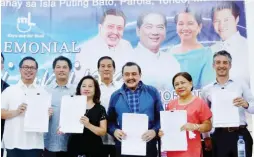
(49, 29)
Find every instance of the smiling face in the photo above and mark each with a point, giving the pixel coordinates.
(62, 70)
(28, 71)
(182, 86)
(224, 23)
(131, 76)
(111, 30)
(106, 69)
(187, 27)
(87, 88)
(222, 66)
(152, 32)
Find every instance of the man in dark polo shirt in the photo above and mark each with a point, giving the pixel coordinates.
(4, 85)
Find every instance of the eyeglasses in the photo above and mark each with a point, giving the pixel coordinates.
(29, 68)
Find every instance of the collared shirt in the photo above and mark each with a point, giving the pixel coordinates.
(53, 141)
(133, 97)
(98, 48)
(237, 46)
(14, 134)
(106, 92)
(157, 68)
(235, 86)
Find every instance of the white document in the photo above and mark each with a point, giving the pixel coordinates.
(225, 114)
(171, 122)
(134, 125)
(72, 109)
(36, 116)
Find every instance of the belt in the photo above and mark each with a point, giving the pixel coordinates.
(232, 129)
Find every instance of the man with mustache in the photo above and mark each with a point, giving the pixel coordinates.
(135, 97)
(151, 30)
(56, 144)
(106, 67)
(226, 135)
(108, 42)
(225, 17)
(18, 142)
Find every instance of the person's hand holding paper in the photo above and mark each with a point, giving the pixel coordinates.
(148, 135)
(85, 121)
(119, 135)
(240, 102)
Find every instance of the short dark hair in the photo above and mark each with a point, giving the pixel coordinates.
(115, 12)
(2, 56)
(106, 57)
(28, 58)
(226, 5)
(97, 91)
(62, 58)
(128, 64)
(141, 18)
(196, 14)
(223, 53)
(186, 75)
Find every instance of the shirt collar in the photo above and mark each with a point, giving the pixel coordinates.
(231, 40)
(147, 51)
(103, 84)
(140, 85)
(33, 85)
(55, 85)
(217, 83)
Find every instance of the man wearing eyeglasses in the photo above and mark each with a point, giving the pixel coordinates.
(19, 143)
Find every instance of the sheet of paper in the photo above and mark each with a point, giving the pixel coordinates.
(36, 116)
(225, 114)
(72, 109)
(134, 125)
(171, 122)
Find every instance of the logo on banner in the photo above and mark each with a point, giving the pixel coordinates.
(25, 24)
(24, 27)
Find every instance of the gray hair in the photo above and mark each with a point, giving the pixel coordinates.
(222, 53)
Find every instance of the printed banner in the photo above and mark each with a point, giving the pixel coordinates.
(164, 37)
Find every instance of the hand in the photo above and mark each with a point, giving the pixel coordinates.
(59, 132)
(240, 102)
(22, 108)
(208, 144)
(161, 133)
(50, 111)
(188, 127)
(119, 135)
(149, 135)
(85, 121)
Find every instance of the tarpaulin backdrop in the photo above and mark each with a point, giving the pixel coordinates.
(56, 28)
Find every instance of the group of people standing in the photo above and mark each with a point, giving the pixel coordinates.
(107, 101)
(140, 69)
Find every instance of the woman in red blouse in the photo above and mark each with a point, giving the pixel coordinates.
(198, 115)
